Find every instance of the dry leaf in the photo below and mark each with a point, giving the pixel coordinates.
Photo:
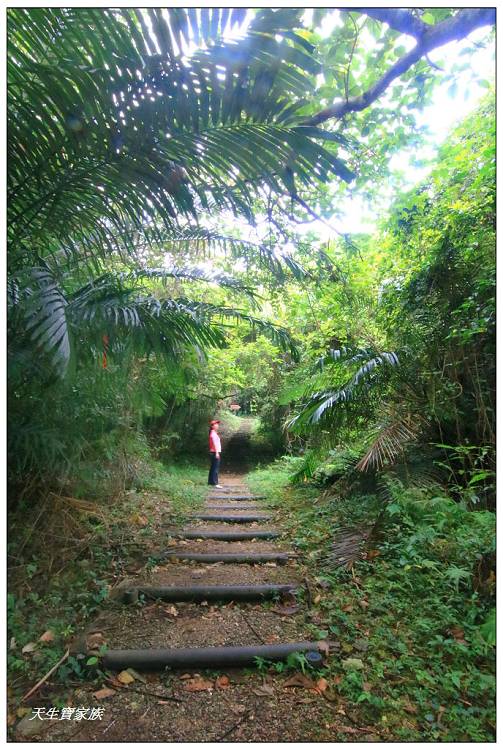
(136, 676)
(29, 648)
(186, 676)
(285, 610)
(197, 684)
(171, 610)
(222, 682)
(321, 685)
(317, 599)
(125, 678)
(95, 640)
(47, 637)
(22, 712)
(113, 681)
(264, 690)
(299, 680)
(410, 707)
(13, 643)
(104, 693)
(324, 647)
(347, 608)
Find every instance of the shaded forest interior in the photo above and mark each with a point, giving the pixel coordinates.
(176, 184)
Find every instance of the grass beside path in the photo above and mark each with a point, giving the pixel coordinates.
(59, 596)
(415, 650)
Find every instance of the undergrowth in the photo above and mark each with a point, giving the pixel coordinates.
(413, 619)
(59, 590)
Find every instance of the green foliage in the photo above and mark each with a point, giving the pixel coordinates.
(405, 354)
(414, 618)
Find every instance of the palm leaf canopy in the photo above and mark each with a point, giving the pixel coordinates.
(122, 117)
(62, 320)
(373, 367)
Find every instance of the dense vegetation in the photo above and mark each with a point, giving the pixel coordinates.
(161, 179)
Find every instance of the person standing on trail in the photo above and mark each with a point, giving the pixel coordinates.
(215, 451)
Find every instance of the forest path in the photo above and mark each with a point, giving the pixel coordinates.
(194, 703)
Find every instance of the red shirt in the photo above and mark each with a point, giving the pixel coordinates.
(215, 444)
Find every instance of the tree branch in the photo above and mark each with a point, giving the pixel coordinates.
(455, 27)
(398, 19)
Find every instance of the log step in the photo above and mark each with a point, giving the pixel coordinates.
(208, 506)
(227, 536)
(185, 658)
(231, 519)
(238, 593)
(227, 557)
(235, 497)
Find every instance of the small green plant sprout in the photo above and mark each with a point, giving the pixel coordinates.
(297, 660)
(261, 664)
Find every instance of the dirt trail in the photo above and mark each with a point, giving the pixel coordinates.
(223, 704)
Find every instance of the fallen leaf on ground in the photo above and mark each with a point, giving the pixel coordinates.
(113, 681)
(125, 678)
(264, 690)
(222, 682)
(317, 599)
(347, 608)
(349, 730)
(136, 676)
(171, 610)
(330, 695)
(104, 693)
(29, 648)
(186, 676)
(13, 643)
(299, 680)
(22, 712)
(197, 684)
(321, 685)
(324, 647)
(292, 610)
(95, 640)
(47, 637)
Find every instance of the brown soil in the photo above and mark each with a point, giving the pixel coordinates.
(217, 574)
(210, 545)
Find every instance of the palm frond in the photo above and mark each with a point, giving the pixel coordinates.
(390, 442)
(322, 402)
(202, 242)
(58, 320)
(95, 146)
(46, 318)
(195, 273)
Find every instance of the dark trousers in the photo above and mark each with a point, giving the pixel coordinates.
(215, 465)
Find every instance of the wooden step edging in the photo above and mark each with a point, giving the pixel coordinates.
(226, 536)
(241, 593)
(216, 656)
(235, 497)
(251, 558)
(229, 518)
(208, 506)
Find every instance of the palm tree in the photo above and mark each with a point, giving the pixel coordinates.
(127, 127)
